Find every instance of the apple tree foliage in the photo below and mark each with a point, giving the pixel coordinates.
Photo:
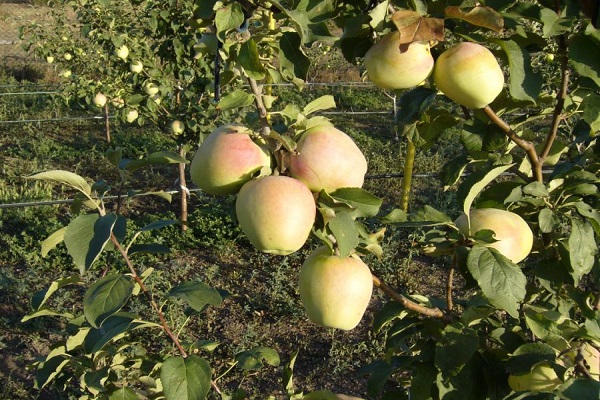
(213, 60)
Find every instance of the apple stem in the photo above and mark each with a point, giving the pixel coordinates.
(260, 107)
(411, 305)
(526, 145)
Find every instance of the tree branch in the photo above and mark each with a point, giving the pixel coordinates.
(527, 146)
(260, 107)
(450, 285)
(411, 305)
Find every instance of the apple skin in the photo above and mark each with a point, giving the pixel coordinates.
(226, 160)
(328, 159)
(276, 213)
(513, 235)
(122, 52)
(49, 59)
(99, 100)
(132, 115)
(469, 74)
(335, 291)
(151, 89)
(390, 68)
(177, 127)
(542, 378)
(136, 67)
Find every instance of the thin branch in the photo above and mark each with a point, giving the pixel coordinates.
(450, 286)
(260, 107)
(557, 116)
(411, 305)
(527, 146)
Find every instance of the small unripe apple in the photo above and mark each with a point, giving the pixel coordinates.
(541, 378)
(122, 52)
(513, 235)
(335, 291)
(131, 116)
(151, 89)
(549, 57)
(469, 74)
(390, 65)
(67, 56)
(118, 102)
(66, 73)
(136, 67)
(177, 127)
(99, 100)
(328, 159)
(49, 59)
(227, 159)
(276, 213)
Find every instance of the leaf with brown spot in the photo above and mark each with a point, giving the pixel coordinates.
(414, 27)
(479, 15)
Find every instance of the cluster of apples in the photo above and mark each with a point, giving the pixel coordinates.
(276, 212)
(467, 73)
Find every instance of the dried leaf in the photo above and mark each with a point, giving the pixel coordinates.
(414, 27)
(479, 15)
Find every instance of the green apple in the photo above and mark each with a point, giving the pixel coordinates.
(335, 291)
(118, 102)
(122, 52)
(276, 213)
(541, 378)
(67, 56)
(328, 159)
(469, 74)
(136, 67)
(131, 115)
(177, 127)
(49, 59)
(390, 65)
(99, 100)
(66, 73)
(151, 89)
(513, 235)
(227, 159)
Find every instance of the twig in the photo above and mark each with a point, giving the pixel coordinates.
(260, 107)
(527, 146)
(450, 286)
(411, 305)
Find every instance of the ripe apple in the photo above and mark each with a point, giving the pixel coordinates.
(513, 235)
(393, 66)
(227, 159)
(328, 159)
(335, 291)
(99, 100)
(469, 74)
(123, 52)
(131, 116)
(276, 213)
(136, 67)
(151, 89)
(541, 378)
(177, 127)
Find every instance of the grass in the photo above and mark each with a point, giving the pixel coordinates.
(262, 308)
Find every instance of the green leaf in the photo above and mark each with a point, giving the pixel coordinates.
(308, 19)
(66, 178)
(113, 326)
(236, 99)
(106, 297)
(45, 312)
(592, 215)
(474, 184)
(253, 359)
(453, 170)
(293, 62)
(197, 294)
(454, 349)
(53, 240)
(502, 282)
(528, 355)
(322, 103)
(345, 233)
(159, 157)
(547, 220)
(430, 214)
(553, 24)
(550, 326)
(185, 378)
(227, 18)
(86, 236)
(123, 393)
(582, 248)
(159, 224)
(581, 389)
(50, 370)
(114, 156)
(40, 298)
(249, 59)
(363, 203)
(583, 56)
(413, 103)
(536, 189)
(591, 111)
(395, 216)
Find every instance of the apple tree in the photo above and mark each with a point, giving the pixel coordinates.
(523, 320)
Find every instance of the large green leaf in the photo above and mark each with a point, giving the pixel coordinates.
(53, 240)
(253, 359)
(106, 297)
(363, 203)
(236, 99)
(293, 62)
(346, 235)
(49, 370)
(159, 157)
(581, 389)
(502, 282)
(86, 236)
(309, 18)
(552, 23)
(549, 325)
(40, 298)
(322, 103)
(197, 294)
(524, 83)
(456, 347)
(583, 56)
(474, 184)
(66, 178)
(113, 326)
(582, 248)
(591, 111)
(185, 378)
(124, 393)
(227, 18)
(249, 59)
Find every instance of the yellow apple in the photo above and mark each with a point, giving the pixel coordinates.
(151, 89)
(227, 159)
(541, 378)
(390, 65)
(469, 74)
(122, 52)
(136, 67)
(335, 291)
(99, 100)
(49, 59)
(67, 56)
(276, 213)
(177, 127)
(328, 159)
(513, 235)
(131, 116)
